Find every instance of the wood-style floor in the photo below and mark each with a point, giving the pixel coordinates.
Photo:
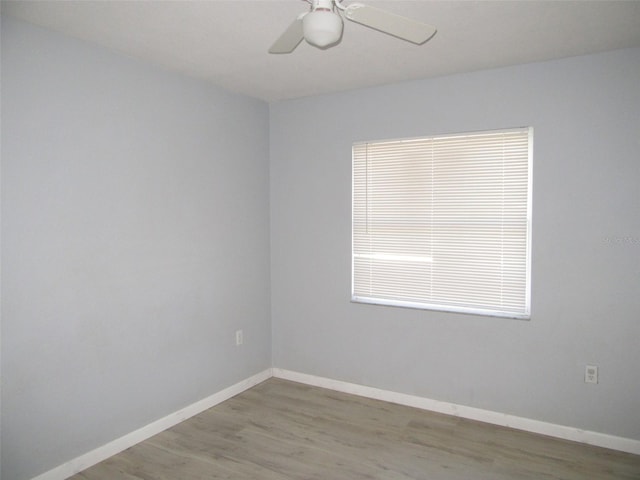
(281, 430)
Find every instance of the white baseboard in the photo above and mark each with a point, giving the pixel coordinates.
(116, 446)
(535, 426)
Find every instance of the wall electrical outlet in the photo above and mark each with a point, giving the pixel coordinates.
(591, 374)
(239, 338)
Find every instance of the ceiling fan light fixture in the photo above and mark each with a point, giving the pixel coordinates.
(322, 28)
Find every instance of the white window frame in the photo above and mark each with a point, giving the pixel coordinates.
(414, 260)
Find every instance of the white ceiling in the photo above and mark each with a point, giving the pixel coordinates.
(226, 42)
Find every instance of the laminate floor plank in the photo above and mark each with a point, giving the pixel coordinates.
(281, 430)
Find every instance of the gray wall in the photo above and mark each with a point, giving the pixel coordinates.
(135, 241)
(586, 245)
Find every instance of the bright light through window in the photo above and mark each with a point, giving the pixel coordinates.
(444, 222)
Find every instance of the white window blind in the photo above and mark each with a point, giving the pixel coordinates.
(444, 222)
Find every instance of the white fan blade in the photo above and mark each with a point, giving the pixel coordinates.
(289, 40)
(386, 22)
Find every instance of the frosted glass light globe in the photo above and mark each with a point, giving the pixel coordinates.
(322, 28)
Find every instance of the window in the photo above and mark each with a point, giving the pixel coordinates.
(444, 222)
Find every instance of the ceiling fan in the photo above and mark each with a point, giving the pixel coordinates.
(321, 26)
